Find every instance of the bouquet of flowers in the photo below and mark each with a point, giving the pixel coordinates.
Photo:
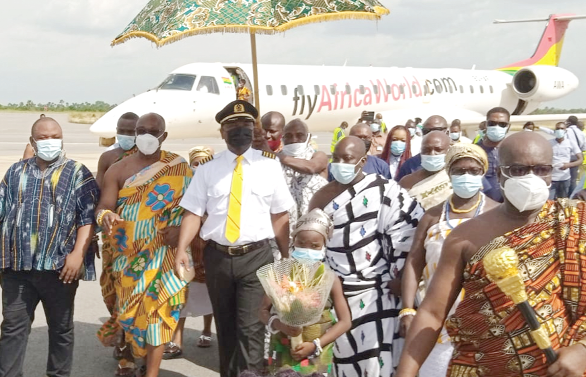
(298, 289)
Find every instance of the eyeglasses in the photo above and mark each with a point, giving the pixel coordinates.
(492, 123)
(462, 171)
(425, 131)
(521, 170)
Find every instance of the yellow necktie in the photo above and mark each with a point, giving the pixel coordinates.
(235, 203)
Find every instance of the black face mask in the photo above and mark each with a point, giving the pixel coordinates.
(239, 137)
(367, 144)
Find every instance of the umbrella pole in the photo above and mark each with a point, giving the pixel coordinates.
(255, 70)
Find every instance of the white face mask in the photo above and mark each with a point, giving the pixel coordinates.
(296, 149)
(49, 149)
(147, 144)
(526, 193)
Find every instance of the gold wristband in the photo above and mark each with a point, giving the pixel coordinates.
(406, 312)
(100, 217)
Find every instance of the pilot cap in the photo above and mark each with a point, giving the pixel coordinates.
(237, 109)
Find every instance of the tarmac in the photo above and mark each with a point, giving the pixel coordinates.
(91, 359)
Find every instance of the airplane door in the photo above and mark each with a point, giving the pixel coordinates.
(238, 73)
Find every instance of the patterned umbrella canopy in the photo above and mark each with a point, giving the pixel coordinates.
(166, 21)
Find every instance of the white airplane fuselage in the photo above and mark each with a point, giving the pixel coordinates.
(324, 96)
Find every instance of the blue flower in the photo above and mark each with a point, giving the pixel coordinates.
(160, 197)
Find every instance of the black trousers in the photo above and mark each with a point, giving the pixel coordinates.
(236, 295)
(21, 293)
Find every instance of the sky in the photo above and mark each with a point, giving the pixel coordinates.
(60, 49)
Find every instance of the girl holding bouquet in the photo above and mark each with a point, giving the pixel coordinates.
(315, 353)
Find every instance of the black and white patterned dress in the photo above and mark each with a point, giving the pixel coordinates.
(374, 225)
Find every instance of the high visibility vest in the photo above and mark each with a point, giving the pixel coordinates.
(338, 135)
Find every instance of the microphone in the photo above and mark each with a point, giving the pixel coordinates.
(502, 268)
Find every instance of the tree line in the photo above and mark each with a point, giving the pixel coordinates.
(61, 106)
(553, 110)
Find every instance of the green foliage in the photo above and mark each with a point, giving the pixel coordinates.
(61, 106)
(552, 110)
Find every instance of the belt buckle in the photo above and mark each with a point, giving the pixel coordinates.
(233, 251)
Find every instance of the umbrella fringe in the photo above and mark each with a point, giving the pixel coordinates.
(378, 11)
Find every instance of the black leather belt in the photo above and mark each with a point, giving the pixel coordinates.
(237, 251)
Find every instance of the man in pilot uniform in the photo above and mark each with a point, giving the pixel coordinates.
(245, 196)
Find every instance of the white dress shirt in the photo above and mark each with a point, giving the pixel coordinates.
(264, 192)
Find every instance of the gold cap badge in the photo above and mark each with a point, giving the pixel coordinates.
(239, 108)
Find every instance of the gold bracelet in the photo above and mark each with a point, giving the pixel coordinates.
(100, 217)
(407, 311)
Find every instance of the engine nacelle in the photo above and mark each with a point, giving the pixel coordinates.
(542, 83)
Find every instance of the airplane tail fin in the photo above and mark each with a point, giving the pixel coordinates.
(550, 46)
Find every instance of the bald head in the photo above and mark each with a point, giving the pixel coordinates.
(526, 148)
(151, 122)
(435, 123)
(349, 150)
(273, 120)
(46, 125)
(435, 142)
(361, 130)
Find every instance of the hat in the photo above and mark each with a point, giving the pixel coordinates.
(466, 150)
(237, 109)
(316, 220)
(199, 151)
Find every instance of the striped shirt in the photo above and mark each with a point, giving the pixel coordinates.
(40, 212)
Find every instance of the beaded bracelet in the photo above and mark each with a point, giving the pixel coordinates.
(318, 349)
(407, 311)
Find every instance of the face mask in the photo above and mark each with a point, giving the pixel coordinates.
(435, 162)
(496, 133)
(343, 173)
(398, 147)
(147, 144)
(455, 136)
(49, 149)
(375, 127)
(559, 134)
(467, 185)
(526, 193)
(239, 137)
(126, 142)
(274, 144)
(527, 129)
(305, 253)
(481, 134)
(412, 131)
(296, 149)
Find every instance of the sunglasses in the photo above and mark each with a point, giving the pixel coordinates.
(521, 170)
(462, 171)
(492, 123)
(425, 131)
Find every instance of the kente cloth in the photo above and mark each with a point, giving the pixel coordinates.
(374, 225)
(106, 278)
(244, 94)
(302, 188)
(432, 190)
(280, 349)
(490, 336)
(149, 293)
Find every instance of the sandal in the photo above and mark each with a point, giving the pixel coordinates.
(172, 351)
(128, 370)
(204, 341)
(118, 352)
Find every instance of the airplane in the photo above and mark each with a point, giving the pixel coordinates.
(324, 96)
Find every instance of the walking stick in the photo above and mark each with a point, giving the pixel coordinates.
(502, 268)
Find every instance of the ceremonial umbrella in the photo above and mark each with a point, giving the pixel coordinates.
(167, 21)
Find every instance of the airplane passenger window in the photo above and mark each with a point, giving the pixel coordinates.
(208, 84)
(178, 81)
(361, 88)
(451, 89)
(333, 89)
(375, 89)
(300, 90)
(461, 89)
(491, 90)
(348, 89)
(269, 90)
(481, 89)
(316, 89)
(284, 89)
(414, 88)
(471, 89)
(425, 90)
(402, 89)
(388, 89)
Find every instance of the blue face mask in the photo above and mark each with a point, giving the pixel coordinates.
(433, 162)
(559, 134)
(467, 185)
(126, 142)
(343, 173)
(455, 136)
(374, 127)
(496, 133)
(305, 253)
(398, 147)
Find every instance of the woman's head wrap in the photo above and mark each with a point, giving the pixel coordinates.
(316, 220)
(466, 150)
(199, 151)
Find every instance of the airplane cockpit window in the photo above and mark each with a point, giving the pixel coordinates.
(269, 90)
(348, 89)
(208, 84)
(284, 89)
(178, 81)
(300, 90)
(316, 89)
